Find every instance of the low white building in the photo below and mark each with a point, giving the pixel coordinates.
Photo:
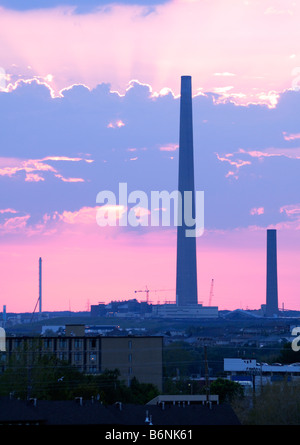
(189, 311)
(243, 370)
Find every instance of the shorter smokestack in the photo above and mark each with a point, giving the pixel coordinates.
(272, 282)
(4, 315)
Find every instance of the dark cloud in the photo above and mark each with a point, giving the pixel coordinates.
(82, 6)
(242, 159)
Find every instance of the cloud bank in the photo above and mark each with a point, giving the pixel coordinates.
(58, 153)
(244, 49)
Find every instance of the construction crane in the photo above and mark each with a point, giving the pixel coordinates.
(156, 290)
(211, 293)
(147, 292)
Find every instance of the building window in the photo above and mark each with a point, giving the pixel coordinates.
(93, 358)
(78, 357)
(77, 343)
(62, 343)
(130, 370)
(17, 343)
(129, 344)
(47, 343)
(130, 358)
(93, 343)
(63, 356)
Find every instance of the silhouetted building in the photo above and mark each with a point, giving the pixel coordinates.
(186, 279)
(112, 417)
(98, 310)
(272, 282)
(73, 330)
(139, 357)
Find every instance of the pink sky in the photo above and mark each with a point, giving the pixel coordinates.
(84, 264)
(248, 50)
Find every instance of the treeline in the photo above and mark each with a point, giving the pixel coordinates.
(277, 404)
(48, 378)
(182, 359)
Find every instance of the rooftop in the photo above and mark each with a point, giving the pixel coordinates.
(81, 412)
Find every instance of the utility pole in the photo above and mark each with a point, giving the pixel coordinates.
(29, 379)
(206, 375)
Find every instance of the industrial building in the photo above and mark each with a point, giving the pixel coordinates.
(250, 372)
(185, 312)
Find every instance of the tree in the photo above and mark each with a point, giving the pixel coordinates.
(181, 360)
(30, 373)
(110, 387)
(226, 389)
(287, 355)
(141, 393)
(278, 404)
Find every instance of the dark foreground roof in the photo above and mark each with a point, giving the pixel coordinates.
(88, 413)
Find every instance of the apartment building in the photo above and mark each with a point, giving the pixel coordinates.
(139, 357)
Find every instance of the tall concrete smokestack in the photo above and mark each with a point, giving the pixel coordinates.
(40, 286)
(272, 283)
(186, 276)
